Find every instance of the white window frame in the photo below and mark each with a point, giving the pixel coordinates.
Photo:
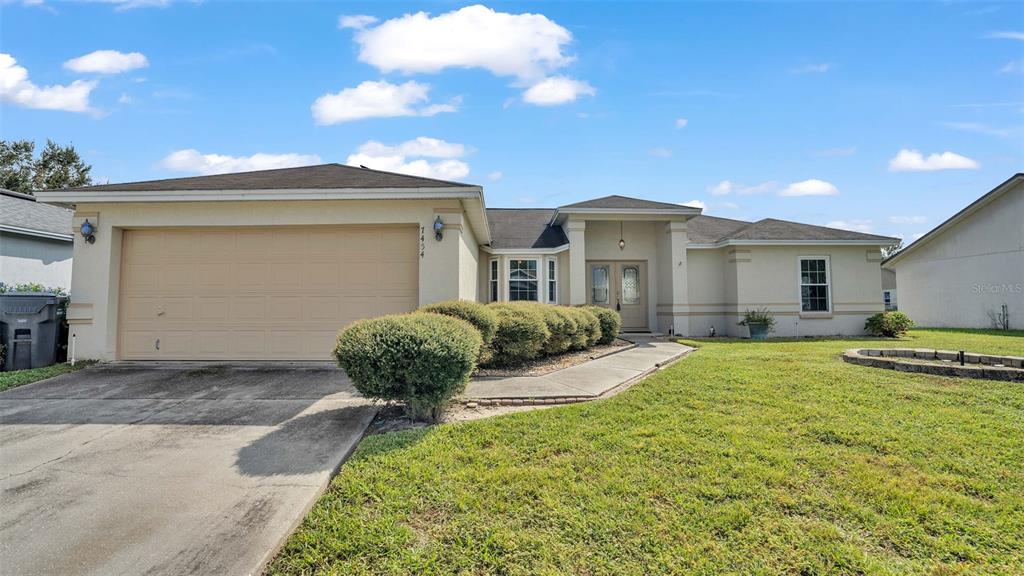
(800, 285)
(551, 279)
(494, 280)
(539, 280)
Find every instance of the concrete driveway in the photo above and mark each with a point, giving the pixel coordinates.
(172, 469)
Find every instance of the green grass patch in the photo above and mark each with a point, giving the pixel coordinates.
(745, 458)
(17, 378)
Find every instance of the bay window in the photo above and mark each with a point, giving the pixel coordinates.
(523, 280)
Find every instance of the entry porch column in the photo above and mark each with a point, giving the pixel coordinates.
(576, 229)
(680, 288)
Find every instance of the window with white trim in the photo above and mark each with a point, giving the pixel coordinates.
(523, 279)
(887, 297)
(492, 282)
(552, 280)
(814, 284)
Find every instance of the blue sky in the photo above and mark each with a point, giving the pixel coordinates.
(885, 118)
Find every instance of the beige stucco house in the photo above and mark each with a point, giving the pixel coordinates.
(969, 270)
(270, 264)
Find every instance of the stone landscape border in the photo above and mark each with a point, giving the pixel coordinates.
(940, 362)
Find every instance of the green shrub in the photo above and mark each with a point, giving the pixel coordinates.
(758, 316)
(479, 315)
(561, 328)
(888, 324)
(609, 321)
(589, 328)
(420, 359)
(521, 334)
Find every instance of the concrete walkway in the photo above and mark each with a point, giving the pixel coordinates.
(581, 382)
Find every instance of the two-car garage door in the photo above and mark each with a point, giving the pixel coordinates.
(265, 294)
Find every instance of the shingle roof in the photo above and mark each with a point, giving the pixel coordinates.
(524, 228)
(772, 229)
(323, 176)
(709, 230)
(623, 203)
(22, 211)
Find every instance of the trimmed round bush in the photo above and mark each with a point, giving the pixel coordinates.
(560, 327)
(888, 324)
(609, 320)
(521, 334)
(588, 328)
(420, 359)
(479, 315)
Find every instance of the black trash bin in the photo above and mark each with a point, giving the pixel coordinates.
(30, 327)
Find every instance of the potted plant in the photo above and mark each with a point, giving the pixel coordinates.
(760, 322)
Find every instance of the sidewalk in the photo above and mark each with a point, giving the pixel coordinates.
(577, 383)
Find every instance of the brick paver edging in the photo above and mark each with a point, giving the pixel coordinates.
(940, 363)
(474, 402)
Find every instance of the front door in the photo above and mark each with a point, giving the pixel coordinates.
(621, 286)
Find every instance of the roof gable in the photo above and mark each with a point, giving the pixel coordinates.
(323, 176)
(616, 202)
(1004, 187)
(525, 228)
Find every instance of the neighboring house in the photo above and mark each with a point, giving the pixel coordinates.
(35, 241)
(969, 270)
(889, 289)
(270, 264)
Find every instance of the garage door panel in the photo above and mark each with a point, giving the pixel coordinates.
(277, 294)
(176, 309)
(212, 308)
(248, 308)
(251, 276)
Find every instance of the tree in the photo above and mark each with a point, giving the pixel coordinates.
(16, 165)
(56, 167)
(891, 250)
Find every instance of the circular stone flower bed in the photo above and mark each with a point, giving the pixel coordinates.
(940, 362)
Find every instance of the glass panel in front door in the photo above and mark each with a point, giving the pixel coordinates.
(630, 285)
(599, 283)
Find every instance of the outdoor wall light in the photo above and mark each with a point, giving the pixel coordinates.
(622, 240)
(88, 231)
(438, 229)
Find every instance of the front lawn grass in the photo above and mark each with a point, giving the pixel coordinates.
(744, 458)
(17, 378)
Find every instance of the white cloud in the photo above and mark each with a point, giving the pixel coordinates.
(913, 161)
(978, 128)
(730, 205)
(660, 152)
(557, 90)
(1006, 35)
(107, 62)
(812, 187)
(193, 161)
(526, 46)
(496, 175)
(726, 187)
(356, 22)
(421, 146)
(908, 219)
(695, 204)
(1012, 67)
(812, 69)
(125, 99)
(852, 225)
(377, 100)
(409, 158)
(681, 123)
(15, 87)
(834, 152)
